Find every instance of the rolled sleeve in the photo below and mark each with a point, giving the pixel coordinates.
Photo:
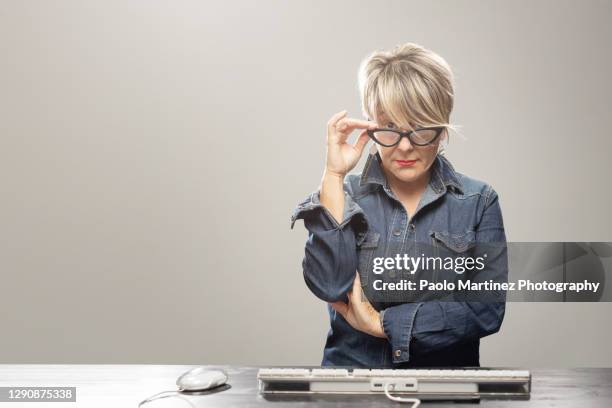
(439, 325)
(330, 259)
(311, 208)
(419, 328)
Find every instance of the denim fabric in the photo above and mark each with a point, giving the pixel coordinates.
(454, 212)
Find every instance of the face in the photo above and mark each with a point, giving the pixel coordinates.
(405, 162)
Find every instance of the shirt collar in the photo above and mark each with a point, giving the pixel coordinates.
(443, 174)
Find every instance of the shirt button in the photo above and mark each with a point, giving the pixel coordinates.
(398, 353)
(397, 233)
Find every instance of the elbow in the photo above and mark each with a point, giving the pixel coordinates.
(494, 328)
(329, 267)
(327, 290)
(499, 310)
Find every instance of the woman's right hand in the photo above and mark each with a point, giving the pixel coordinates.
(343, 156)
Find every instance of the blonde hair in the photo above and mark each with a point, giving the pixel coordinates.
(409, 84)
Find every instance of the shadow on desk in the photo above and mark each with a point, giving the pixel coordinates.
(215, 390)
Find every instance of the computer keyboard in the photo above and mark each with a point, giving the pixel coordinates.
(452, 384)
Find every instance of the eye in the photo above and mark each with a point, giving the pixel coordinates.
(391, 125)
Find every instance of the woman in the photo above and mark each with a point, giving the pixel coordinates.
(408, 193)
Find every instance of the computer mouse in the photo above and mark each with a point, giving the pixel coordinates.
(201, 379)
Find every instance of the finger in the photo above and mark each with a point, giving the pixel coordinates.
(358, 292)
(349, 295)
(340, 307)
(350, 124)
(354, 293)
(361, 141)
(345, 126)
(334, 119)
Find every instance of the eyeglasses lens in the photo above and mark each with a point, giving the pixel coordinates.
(420, 137)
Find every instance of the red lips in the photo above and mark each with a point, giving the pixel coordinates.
(405, 163)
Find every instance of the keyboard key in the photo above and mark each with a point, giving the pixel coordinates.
(330, 372)
(360, 372)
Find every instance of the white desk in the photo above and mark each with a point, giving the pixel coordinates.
(111, 386)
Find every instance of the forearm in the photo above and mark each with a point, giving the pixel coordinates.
(332, 194)
(440, 325)
(417, 328)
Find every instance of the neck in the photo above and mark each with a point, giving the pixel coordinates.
(409, 189)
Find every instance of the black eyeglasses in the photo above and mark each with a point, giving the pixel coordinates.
(419, 137)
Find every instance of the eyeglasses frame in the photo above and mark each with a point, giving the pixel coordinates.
(408, 134)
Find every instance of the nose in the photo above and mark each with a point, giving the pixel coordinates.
(405, 144)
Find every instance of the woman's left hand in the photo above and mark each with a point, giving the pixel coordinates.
(359, 313)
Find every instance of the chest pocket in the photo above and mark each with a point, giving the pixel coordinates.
(449, 244)
(366, 255)
(452, 245)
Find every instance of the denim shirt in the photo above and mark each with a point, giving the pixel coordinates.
(454, 212)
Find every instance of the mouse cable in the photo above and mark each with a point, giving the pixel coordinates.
(166, 394)
(415, 401)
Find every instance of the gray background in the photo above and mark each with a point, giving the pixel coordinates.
(151, 154)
